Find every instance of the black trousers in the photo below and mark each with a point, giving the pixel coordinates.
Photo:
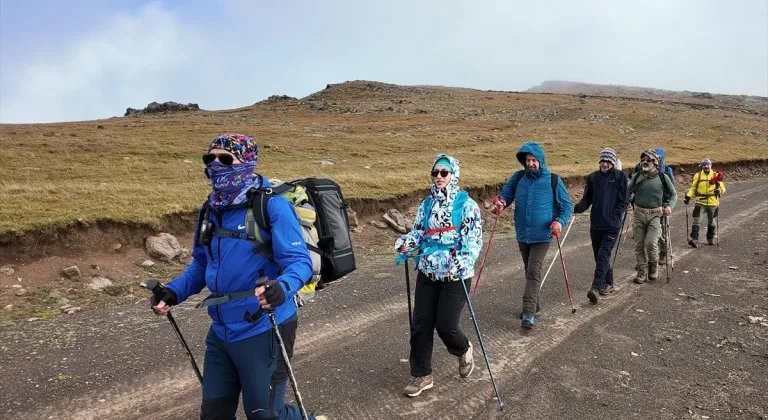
(603, 242)
(437, 306)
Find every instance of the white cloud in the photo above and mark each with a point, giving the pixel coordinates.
(132, 60)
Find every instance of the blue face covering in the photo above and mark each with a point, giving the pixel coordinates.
(228, 181)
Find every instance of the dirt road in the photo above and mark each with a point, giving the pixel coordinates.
(683, 349)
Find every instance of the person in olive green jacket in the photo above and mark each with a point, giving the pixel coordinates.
(654, 196)
(706, 188)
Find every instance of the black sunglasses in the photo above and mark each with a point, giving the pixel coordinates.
(443, 173)
(224, 158)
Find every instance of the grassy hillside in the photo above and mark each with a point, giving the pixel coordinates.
(381, 139)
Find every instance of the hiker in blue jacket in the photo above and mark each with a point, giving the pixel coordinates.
(242, 356)
(543, 208)
(607, 192)
(663, 167)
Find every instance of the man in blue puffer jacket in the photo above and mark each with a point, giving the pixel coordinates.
(242, 356)
(540, 213)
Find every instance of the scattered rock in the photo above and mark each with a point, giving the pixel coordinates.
(162, 108)
(99, 283)
(184, 253)
(100, 127)
(165, 247)
(379, 224)
(17, 286)
(33, 319)
(147, 263)
(95, 267)
(633, 353)
(72, 310)
(7, 270)
(639, 310)
(358, 229)
(117, 247)
(733, 267)
(65, 308)
(624, 373)
(71, 272)
(324, 162)
(21, 292)
(8, 307)
(755, 319)
(396, 220)
(116, 290)
(352, 217)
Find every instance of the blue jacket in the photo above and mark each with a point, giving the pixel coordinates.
(536, 204)
(608, 194)
(229, 265)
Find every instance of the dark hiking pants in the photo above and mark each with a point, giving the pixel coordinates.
(603, 242)
(533, 259)
(711, 212)
(249, 366)
(437, 306)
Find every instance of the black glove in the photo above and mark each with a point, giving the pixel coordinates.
(166, 295)
(273, 293)
(717, 192)
(687, 199)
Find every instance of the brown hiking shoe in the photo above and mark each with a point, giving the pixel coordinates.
(641, 273)
(653, 271)
(466, 362)
(417, 385)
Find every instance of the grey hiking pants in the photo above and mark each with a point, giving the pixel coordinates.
(533, 259)
(647, 230)
(711, 212)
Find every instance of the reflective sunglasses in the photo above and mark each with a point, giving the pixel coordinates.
(224, 158)
(443, 173)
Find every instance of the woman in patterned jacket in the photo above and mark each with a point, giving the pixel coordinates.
(447, 237)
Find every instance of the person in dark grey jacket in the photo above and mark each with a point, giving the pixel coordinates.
(606, 191)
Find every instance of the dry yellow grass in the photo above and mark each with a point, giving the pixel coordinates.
(381, 138)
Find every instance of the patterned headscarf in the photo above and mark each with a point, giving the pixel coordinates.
(240, 145)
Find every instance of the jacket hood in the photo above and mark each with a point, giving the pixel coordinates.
(534, 149)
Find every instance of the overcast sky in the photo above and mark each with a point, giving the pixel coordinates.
(89, 59)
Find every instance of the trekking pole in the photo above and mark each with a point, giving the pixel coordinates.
(565, 274)
(669, 247)
(156, 288)
(482, 345)
(408, 285)
(558, 252)
(482, 265)
(717, 222)
(252, 318)
(618, 243)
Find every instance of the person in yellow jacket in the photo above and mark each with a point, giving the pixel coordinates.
(706, 189)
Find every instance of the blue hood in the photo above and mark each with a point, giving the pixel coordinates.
(534, 149)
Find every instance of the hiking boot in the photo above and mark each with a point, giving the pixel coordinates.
(710, 241)
(662, 258)
(641, 274)
(418, 385)
(607, 290)
(322, 418)
(592, 295)
(528, 321)
(653, 271)
(693, 242)
(538, 311)
(466, 362)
